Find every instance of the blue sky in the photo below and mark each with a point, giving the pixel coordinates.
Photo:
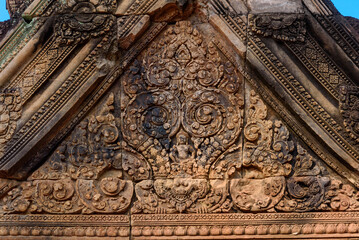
(346, 7)
(4, 15)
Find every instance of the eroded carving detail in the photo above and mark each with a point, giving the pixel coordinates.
(271, 163)
(286, 27)
(85, 174)
(81, 20)
(10, 112)
(349, 108)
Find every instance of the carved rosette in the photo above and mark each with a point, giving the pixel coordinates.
(109, 195)
(257, 194)
(57, 196)
(151, 115)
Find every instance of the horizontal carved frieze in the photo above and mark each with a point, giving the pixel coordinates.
(185, 226)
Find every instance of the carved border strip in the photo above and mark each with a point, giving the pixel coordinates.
(140, 6)
(281, 110)
(104, 86)
(237, 226)
(50, 70)
(128, 23)
(341, 36)
(17, 41)
(32, 64)
(44, 114)
(40, 8)
(61, 57)
(185, 226)
(238, 27)
(309, 65)
(298, 92)
(65, 225)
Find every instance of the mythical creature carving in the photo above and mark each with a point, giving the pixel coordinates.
(183, 109)
(173, 136)
(286, 27)
(257, 194)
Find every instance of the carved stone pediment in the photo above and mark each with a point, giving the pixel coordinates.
(179, 120)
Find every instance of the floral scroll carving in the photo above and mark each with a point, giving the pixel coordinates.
(179, 134)
(285, 27)
(183, 110)
(273, 162)
(85, 174)
(80, 20)
(10, 112)
(349, 108)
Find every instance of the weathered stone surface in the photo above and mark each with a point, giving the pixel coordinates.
(275, 6)
(165, 119)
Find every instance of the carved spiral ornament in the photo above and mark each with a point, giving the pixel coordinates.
(58, 196)
(151, 114)
(161, 72)
(210, 112)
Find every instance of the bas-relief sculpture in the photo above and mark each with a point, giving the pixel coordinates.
(174, 132)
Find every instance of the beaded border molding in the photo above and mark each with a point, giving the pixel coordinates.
(184, 226)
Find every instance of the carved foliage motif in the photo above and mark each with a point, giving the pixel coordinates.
(10, 112)
(182, 110)
(175, 136)
(80, 20)
(276, 172)
(85, 174)
(286, 27)
(349, 108)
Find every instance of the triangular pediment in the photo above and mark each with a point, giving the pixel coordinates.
(178, 112)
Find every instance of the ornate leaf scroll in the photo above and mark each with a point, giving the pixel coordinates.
(178, 133)
(182, 106)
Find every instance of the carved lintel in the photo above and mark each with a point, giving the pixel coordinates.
(285, 27)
